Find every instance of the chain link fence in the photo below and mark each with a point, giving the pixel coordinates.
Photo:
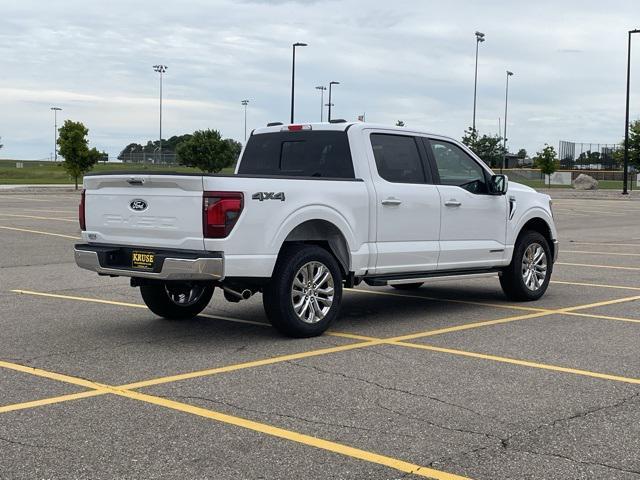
(589, 156)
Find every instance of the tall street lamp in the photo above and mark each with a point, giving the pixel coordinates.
(506, 103)
(160, 69)
(55, 131)
(330, 104)
(293, 73)
(245, 103)
(625, 174)
(322, 88)
(479, 40)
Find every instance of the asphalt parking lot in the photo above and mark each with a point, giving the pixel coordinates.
(446, 382)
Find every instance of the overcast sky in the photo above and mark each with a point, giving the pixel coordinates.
(408, 60)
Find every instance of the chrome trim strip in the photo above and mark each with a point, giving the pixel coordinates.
(172, 269)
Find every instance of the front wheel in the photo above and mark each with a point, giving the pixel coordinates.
(176, 301)
(527, 276)
(305, 292)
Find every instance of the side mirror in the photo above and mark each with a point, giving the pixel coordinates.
(498, 184)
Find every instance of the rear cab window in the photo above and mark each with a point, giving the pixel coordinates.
(321, 154)
(398, 158)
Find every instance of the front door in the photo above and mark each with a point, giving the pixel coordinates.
(473, 223)
(407, 205)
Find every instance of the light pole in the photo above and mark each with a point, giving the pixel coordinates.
(479, 40)
(625, 174)
(330, 104)
(160, 69)
(245, 103)
(55, 131)
(322, 88)
(293, 73)
(506, 103)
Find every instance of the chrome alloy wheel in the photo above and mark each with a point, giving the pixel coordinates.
(184, 295)
(312, 292)
(534, 266)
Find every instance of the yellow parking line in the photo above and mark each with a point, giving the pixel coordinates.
(614, 267)
(300, 438)
(598, 304)
(51, 400)
(622, 254)
(607, 244)
(450, 300)
(80, 382)
(596, 285)
(603, 317)
(270, 430)
(256, 363)
(523, 363)
(39, 210)
(38, 218)
(79, 299)
(39, 232)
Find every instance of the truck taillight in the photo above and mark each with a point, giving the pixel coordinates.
(220, 212)
(83, 225)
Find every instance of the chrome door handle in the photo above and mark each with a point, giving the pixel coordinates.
(391, 201)
(452, 203)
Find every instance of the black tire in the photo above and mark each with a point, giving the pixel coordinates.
(512, 278)
(158, 297)
(408, 286)
(278, 296)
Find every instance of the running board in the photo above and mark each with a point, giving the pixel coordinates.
(382, 281)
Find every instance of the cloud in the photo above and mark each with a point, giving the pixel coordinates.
(403, 60)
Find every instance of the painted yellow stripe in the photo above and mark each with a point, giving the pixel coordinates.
(79, 299)
(522, 363)
(595, 285)
(613, 267)
(607, 244)
(252, 364)
(39, 210)
(60, 377)
(39, 232)
(603, 253)
(300, 438)
(599, 304)
(39, 218)
(449, 300)
(603, 317)
(50, 401)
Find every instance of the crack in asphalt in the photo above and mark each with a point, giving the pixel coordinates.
(291, 417)
(505, 443)
(395, 389)
(29, 445)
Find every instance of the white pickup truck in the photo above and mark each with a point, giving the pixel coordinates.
(310, 209)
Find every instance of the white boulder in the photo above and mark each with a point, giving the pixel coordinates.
(585, 182)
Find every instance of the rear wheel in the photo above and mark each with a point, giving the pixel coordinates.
(304, 295)
(408, 286)
(176, 301)
(528, 275)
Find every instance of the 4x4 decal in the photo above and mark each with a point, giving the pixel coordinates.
(268, 196)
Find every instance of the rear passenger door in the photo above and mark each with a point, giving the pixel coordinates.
(407, 204)
(473, 222)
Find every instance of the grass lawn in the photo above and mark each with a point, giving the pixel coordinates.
(602, 184)
(39, 172)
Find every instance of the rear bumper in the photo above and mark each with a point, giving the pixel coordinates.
(168, 265)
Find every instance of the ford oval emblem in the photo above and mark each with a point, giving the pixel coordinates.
(138, 205)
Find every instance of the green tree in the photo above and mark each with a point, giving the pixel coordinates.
(634, 146)
(207, 151)
(546, 160)
(522, 153)
(488, 148)
(399, 123)
(73, 146)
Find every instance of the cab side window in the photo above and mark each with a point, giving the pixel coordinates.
(457, 168)
(397, 158)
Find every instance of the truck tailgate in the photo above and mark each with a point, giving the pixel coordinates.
(144, 210)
